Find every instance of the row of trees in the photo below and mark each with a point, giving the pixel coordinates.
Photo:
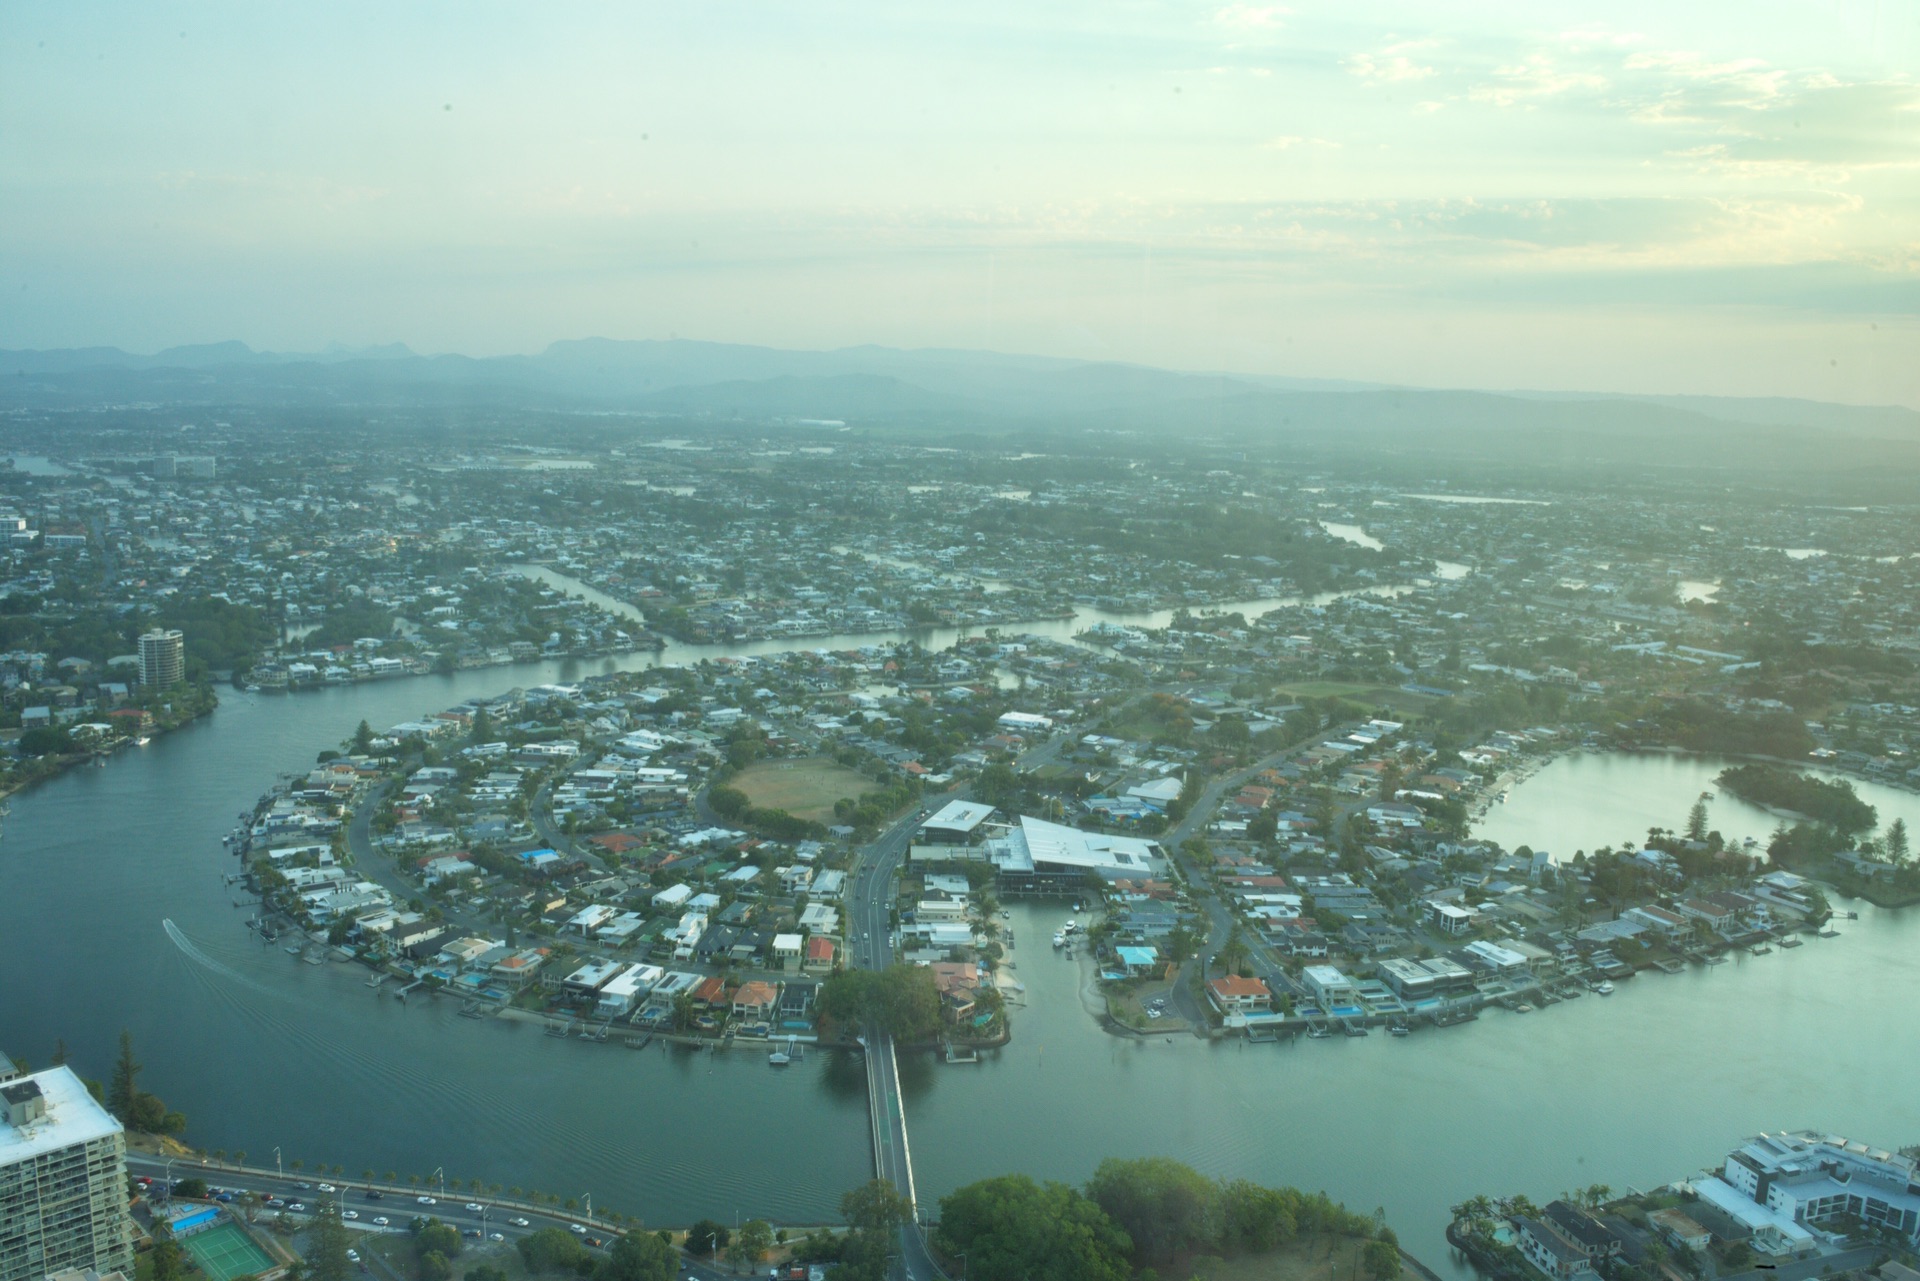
(733, 805)
(1136, 1213)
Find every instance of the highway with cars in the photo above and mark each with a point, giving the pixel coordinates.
(365, 1207)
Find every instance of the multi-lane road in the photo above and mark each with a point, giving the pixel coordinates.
(870, 922)
(395, 1205)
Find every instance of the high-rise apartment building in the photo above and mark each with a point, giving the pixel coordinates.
(163, 658)
(63, 1180)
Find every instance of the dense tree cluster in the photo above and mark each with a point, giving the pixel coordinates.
(1833, 802)
(1134, 1214)
(901, 1000)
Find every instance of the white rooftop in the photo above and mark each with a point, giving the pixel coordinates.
(72, 1117)
(962, 816)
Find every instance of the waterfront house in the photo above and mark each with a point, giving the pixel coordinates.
(1546, 1249)
(1680, 1230)
(1330, 988)
(1668, 925)
(1236, 995)
(756, 1001)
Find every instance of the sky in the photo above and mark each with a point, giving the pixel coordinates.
(1705, 197)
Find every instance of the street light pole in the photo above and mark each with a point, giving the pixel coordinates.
(277, 1171)
(589, 1198)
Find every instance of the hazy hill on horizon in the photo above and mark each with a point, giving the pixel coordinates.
(986, 392)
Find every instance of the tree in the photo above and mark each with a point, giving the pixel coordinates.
(434, 1235)
(638, 1256)
(169, 1260)
(708, 1238)
(752, 1241)
(1163, 1205)
(1697, 821)
(1011, 1228)
(1381, 1260)
(327, 1246)
(552, 1250)
(363, 739)
(1897, 842)
(126, 1076)
(876, 1206)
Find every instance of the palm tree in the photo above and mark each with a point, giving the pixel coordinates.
(338, 1171)
(366, 1176)
(220, 1156)
(516, 1191)
(493, 1189)
(240, 1157)
(296, 1165)
(414, 1179)
(573, 1203)
(393, 1176)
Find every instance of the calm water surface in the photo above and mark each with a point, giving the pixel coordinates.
(260, 1050)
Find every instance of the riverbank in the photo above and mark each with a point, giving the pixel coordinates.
(40, 769)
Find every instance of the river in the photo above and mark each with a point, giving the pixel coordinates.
(935, 638)
(260, 1050)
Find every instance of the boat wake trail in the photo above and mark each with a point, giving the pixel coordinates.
(193, 952)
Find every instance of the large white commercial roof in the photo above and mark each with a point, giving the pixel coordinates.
(72, 1117)
(1055, 845)
(960, 816)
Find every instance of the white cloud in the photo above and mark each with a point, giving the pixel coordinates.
(1386, 68)
(1243, 16)
(1535, 76)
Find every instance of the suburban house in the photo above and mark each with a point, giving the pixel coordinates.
(1236, 995)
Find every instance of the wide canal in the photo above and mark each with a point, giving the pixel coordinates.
(260, 1050)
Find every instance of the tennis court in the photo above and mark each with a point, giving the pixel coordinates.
(225, 1252)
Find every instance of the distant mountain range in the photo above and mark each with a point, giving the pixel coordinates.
(979, 391)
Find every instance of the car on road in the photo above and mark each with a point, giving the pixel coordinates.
(353, 1256)
(474, 1207)
(375, 1196)
(595, 1242)
(473, 1232)
(298, 1207)
(223, 1196)
(576, 1229)
(304, 1187)
(349, 1215)
(381, 1221)
(496, 1236)
(328, 1187)
(426, 1200)
(520, 1223)
(275, 1203)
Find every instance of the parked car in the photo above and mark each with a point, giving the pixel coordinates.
(496, 1236)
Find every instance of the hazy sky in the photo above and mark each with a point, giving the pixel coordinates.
(1714, 197)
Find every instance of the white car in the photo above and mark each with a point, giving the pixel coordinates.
(474, 1207)
(353, 1256)
(426, 1200)
(520, 1223)
(381, 1221)
(328, 1187)
(576, 1229)
(349, 1214)
(496, 1236)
